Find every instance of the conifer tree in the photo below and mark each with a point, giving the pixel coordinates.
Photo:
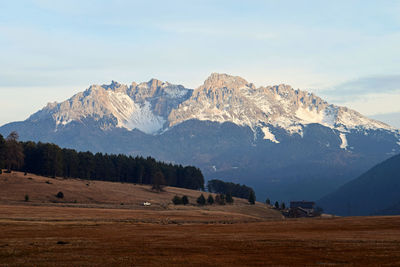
(185, 200)
(229, 198)
(201, 200)
(14, 157)
(252, 198)
(210, 200)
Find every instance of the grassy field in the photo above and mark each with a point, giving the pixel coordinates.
(97, 230)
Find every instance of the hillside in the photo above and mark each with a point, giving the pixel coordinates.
(121, 200)
(377, 192)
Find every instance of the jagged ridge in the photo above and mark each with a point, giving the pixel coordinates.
(155, 106)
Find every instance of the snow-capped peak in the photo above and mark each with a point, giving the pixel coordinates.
(155, 106)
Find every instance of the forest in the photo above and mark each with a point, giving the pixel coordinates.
(50, 160)
(236, 190)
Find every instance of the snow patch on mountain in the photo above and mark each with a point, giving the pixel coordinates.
(344, 144)
(144, 119)
(268, 135)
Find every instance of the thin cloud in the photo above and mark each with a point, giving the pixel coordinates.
(362, 87)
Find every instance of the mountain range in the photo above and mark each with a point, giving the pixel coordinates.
(286, 143)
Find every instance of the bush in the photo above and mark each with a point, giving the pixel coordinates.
(201, 200)
(210, 200)
(229, 198)
(185, 200)
(26, 198)
(177, 200)
(60, 195)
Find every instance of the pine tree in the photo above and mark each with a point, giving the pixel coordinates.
(158, 182)
(210, 200)
(276, 205)
(283, 206)
(252, 198)
(201, 200)
(14, 152)
(268, 201)
(229, 198)
(185, 200)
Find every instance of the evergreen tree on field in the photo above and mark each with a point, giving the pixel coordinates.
(229, 198)
(201, 200)
(185, 200)
(276, 205)
(283, 206)
(268, 201)
(2, 151)
(14, 152)
(252, 198)
(158, 182)
(210, 200)
(177, 200)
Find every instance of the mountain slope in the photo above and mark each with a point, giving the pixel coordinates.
(377, 192)
(286, 143)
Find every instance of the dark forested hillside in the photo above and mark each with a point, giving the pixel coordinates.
(51, 160)
(236, 190)
(376, 192)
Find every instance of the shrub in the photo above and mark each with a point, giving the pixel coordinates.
(60, 195)
(26, 198)
(210, 200)
(177, 200)
(185, 200)
(201, 200)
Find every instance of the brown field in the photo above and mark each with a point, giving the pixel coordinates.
(97, 230)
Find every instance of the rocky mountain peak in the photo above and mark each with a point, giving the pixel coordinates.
(222, 80)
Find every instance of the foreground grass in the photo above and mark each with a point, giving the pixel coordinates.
(78, 236)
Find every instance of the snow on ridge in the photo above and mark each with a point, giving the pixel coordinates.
(144, 120)
(134, 116)
(344, 143)
(268, 135)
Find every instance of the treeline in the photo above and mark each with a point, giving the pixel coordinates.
(51, 160)
(236, 190)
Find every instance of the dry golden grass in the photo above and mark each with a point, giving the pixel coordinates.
(96, 231)
(120, 196)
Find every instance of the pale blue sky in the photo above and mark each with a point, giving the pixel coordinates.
(345, 51)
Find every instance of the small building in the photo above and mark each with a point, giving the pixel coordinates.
(302, 209)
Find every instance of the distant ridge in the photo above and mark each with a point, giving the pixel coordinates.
(376, 192)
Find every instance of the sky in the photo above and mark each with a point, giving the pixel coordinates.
(345, 51)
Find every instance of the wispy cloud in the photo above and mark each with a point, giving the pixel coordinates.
(363, 87)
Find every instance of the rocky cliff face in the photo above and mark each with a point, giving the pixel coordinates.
(156, 106)
(143, 106)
